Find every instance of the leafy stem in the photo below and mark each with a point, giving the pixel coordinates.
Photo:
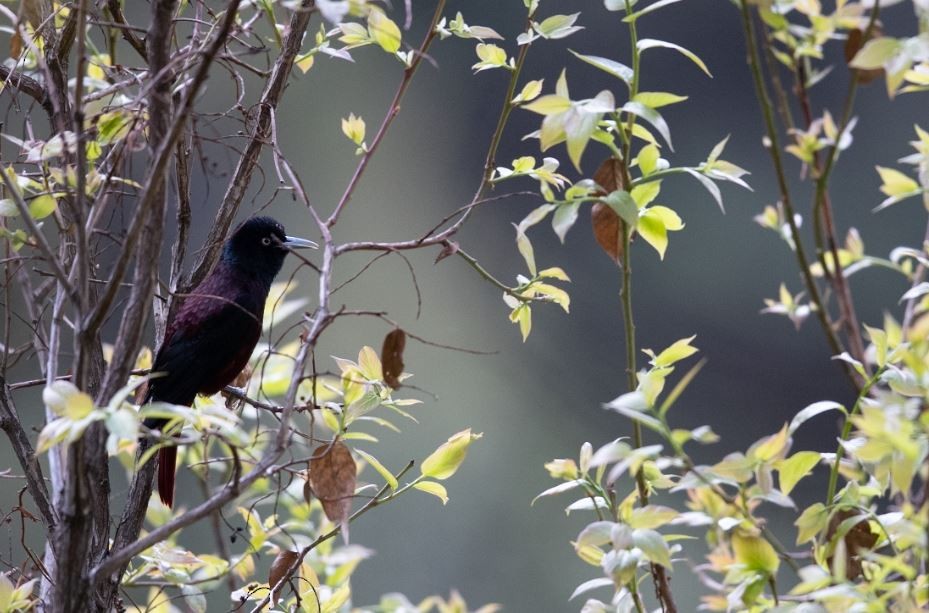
(846, 431)
(774, 149)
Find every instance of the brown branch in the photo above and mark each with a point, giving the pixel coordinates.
(19, 440)
(248, 160)
(116, 12)
(26, 85)
(392, 112)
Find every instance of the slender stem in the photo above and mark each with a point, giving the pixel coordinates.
(822, 208)
(392, 112)
(775, 151)
(496, 282)
(634, 85)
(846, 431)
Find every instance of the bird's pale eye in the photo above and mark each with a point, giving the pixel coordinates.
(266, 241)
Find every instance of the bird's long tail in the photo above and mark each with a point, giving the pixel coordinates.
(167, 457)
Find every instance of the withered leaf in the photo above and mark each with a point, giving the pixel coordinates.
(859, 540)
(448, 248)
(853, 45)
(282, 563)
(607, 225)
(392, 357)
(332, 477)
(307, 488)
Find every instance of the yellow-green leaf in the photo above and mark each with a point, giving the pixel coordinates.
(658, 99)
(436, 489)
(796, 467)
(770, 447)
(42, 206)
(384, 31)
(678, 351)
(381, 470)
(755, 553)
(895, 183)
(445, 461)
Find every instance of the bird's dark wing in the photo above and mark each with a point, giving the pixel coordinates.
(207, 345)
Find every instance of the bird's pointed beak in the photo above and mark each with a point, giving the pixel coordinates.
(292, 242)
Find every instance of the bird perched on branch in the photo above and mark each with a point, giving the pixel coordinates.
(211, 336)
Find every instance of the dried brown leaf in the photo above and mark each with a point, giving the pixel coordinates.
(858, 540)
(607, 230)
(332, 477)
(280, 566)
(308, 488)
(392, 357)
(607, 225)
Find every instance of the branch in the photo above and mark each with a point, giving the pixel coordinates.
(11, 424)
(40, 239)
(298, 561)
(389, 117)
(775, 151)
(248, 160)
(26, 85)
(116, 11)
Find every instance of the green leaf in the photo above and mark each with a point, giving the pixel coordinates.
(709, 185)
(548, 105)
(530, 91)
(648, 161)
(383, 31)
(445, 461)
(895, 183)
(370, 364)
(678, 351)
(431, 487)
(755, 553)
(381, 470)
(796, 467)
(65, 400)
(612, 67)
(651, 43)
(651, 116)
(876, 53)
(812, 411)
(769, 447)
(653, 230)
(557, 26)
(564, 218)
(525, 249)
(653, 546)
(42, 206)
(522, 315)
(648, 9)
(623, 205)
(658, 99)
(811, 522)
(645, 193)
(652, 516)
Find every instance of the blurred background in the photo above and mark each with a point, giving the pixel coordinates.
(542, 399)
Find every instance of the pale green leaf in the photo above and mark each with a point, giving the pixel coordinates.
(381, 470)
(431, 487)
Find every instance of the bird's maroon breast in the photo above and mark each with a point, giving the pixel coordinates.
(235, 362)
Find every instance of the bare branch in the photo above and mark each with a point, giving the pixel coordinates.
(392, 112)
(248, 160)
(11, 424)
(26, 85)
(116, 12)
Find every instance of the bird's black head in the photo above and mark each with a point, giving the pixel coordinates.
(259, 246)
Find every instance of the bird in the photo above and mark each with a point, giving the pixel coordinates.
(210, 337)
